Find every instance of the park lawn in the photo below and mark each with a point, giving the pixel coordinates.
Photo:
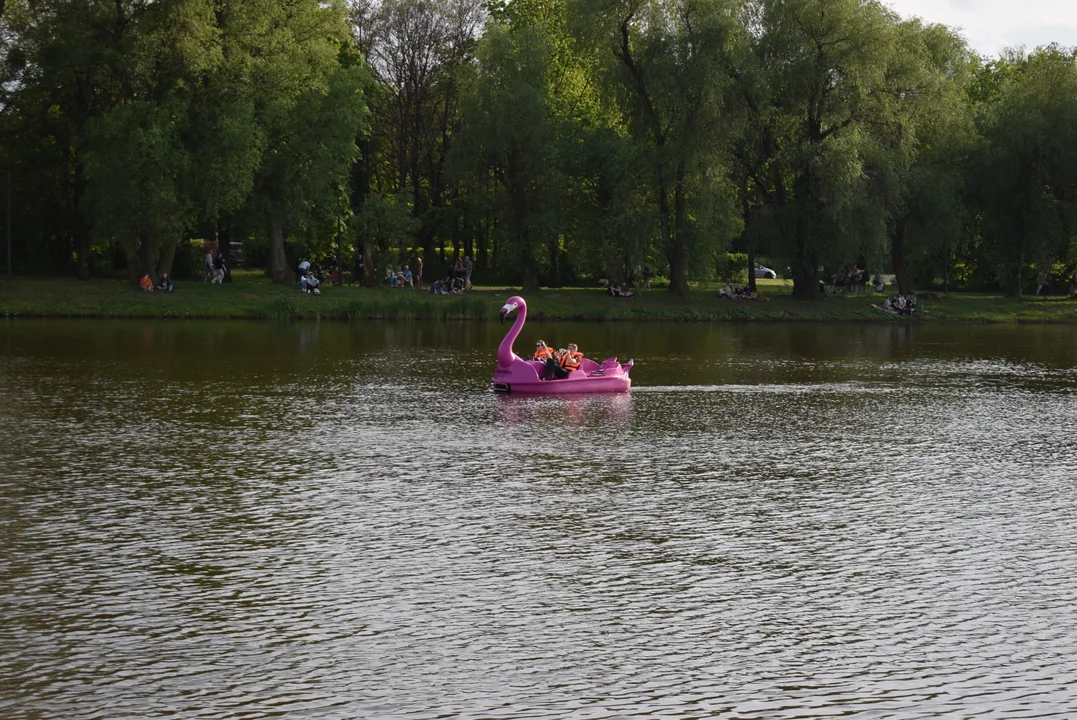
(251, 295)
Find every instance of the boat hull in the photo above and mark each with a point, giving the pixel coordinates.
(525, 378)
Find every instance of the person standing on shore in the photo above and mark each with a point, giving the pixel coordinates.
(468, 267)
(418, 274)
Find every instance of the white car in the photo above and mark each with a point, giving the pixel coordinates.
(764, 272)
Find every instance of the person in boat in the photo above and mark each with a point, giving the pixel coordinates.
(542, 352)
(554, 369)
(570, 359)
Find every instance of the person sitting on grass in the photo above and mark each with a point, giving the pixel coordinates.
(899, 305)
(145, 283)
(310, 284)
(165, 283)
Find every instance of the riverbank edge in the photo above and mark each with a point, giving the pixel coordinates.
(111, 300)
(538, 316)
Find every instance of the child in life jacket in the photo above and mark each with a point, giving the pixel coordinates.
(571, 358)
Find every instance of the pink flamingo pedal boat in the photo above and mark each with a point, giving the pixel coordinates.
(516, 375)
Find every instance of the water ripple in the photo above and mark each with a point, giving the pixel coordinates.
(346, 523)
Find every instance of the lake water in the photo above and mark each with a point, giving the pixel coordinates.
(245, 520)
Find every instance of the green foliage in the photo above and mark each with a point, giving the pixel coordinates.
(663, 72)
(516, 138)
(172, 116)
(732, 268)
(1026, 167)
(560, 141)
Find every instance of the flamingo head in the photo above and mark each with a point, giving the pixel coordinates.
(509, 307)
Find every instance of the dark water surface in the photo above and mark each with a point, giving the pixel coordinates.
(324, 520)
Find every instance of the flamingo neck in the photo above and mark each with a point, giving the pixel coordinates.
(505, 355)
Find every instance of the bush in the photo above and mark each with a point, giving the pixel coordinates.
(732, 268)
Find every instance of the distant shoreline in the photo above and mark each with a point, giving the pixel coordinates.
(252, 297)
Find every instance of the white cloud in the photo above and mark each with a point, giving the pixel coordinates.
(991, 25)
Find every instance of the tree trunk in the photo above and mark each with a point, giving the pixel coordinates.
(1014, 289)
(668, 230)
(897, 256)
(367, 248)
(82, 249)
(674, 242)
(168, 257)
(527, 265)
(946, 272)
(279, 271)
(428, 251)
(146, 265)
(555, 262)
(340, 251)
(805, 255)
(751, 270)
(469, 237)
(133, 256)
(82, 228)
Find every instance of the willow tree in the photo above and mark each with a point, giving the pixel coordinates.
(828, 71)
(666, 67)
(511, 134)
(308, 89)
(1026, 171)
(920, 133)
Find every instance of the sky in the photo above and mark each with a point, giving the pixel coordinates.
(991, 25)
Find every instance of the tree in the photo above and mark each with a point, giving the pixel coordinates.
(67, 59)
(511, 133)
(1026, 170)
(140, 176)
(829, 73)
(924, 147)
(666, 68)
(415, 50)
(309, 104)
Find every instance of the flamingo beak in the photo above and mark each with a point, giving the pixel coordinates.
(509, 307)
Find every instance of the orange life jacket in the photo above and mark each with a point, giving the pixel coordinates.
(571, 361)
(543, 354)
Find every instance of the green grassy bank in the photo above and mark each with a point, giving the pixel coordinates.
(253, 296)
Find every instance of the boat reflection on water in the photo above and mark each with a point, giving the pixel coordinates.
(583, 410)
